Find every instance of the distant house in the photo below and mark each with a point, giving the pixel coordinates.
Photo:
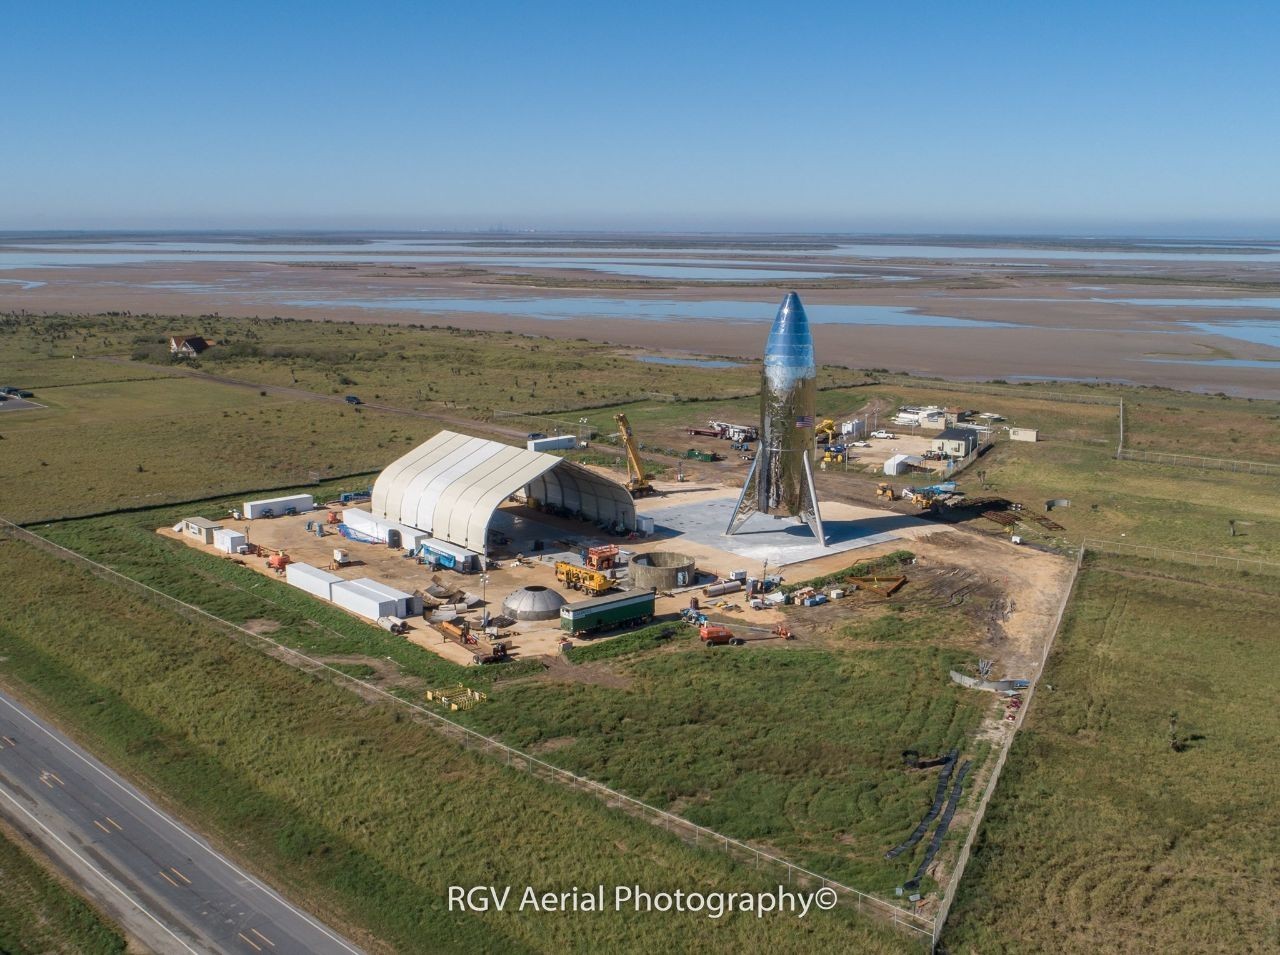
(188, 346)
(957, 442)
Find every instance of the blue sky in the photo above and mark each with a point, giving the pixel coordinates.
(1129, 117)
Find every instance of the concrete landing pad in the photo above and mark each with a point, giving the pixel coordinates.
(781, 541)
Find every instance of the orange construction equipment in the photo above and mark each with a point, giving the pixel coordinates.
(603, 557)
(714, 635)
(278, 561)
(335, 517)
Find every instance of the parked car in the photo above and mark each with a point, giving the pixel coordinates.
(535, 435)
(859, 444)
(883, 434)
(352, 400)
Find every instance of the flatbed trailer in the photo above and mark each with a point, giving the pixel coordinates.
(632, 608)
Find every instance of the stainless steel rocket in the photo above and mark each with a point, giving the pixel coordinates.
(781, 478)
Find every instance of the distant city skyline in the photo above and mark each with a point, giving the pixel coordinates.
(1137, 119)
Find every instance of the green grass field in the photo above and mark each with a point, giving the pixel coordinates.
(749, 766)
(354, 810)
(1100, 836)
(797, 749)
(38, 914)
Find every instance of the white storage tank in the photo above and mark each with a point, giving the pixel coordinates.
(278, 506)
(317, 582)
(229, 541)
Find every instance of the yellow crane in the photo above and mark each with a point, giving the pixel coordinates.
(637, 481)
(825, 433)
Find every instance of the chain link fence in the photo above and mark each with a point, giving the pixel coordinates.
(917, 927)
(962, 860)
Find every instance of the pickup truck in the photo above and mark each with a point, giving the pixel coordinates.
(883, 434)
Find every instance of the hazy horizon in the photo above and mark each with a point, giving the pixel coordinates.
(1137, 119)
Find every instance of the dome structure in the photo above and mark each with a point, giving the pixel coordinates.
(533, 603)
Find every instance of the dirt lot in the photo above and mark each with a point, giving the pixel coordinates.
(952, 564)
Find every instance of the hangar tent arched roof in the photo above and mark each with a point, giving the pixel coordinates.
(452, 484)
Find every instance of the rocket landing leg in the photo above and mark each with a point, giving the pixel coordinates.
(749, 501)
(809, 506)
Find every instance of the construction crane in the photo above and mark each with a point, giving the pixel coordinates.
(825, 433)
(637, 481)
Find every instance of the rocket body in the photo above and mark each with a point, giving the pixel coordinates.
(781, 479)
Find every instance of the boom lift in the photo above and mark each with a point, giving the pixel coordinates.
(637, 481)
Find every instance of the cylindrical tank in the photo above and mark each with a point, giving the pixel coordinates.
(662, 570)
(720, 589)
(393, 538)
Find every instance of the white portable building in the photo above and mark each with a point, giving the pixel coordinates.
(200, 528)
(561, 442)
(1024, 434)
(443, 554)
(317, 582)
(360, 599)
(229, 541)
(278, 505)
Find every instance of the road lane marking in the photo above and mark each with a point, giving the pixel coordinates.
(141, 800)
(263, 937)
(250, 941)
(169, 879)
(179, 875)
(114, 823)
(102, 827)
(58, 778)
(10, 740)
(94, 869)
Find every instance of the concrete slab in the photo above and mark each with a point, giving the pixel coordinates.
(781, 541)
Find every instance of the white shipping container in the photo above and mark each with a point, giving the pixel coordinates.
(407, 605)
(317, 582)
(354, 596)
(360, 521)
(562, 442)
(229, 541)
(644, 524)
(278, 505)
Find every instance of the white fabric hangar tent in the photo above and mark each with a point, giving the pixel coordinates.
(452, 484)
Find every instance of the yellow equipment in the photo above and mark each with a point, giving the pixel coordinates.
(833, 457)
(825, 433)
(582, 578)
(884, 490)
(637, 481)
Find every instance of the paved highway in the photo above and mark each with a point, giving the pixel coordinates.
(164, 884)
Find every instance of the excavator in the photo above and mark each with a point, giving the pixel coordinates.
(637, 481)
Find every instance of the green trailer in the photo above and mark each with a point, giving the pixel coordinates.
(609, 612)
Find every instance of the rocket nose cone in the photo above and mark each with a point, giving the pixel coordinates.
(791, 315)
(790, 342)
